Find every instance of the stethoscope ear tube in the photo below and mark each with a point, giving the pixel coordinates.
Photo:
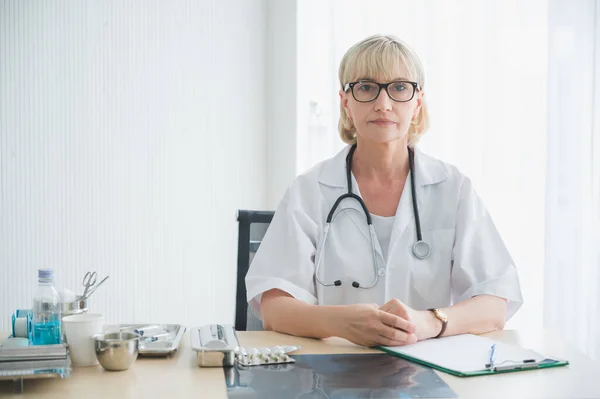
(421, 250)
(343, 197)
(411, 159)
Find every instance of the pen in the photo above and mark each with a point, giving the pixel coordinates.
(490, 365)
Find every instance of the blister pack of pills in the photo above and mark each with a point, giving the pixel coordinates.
(261, 356)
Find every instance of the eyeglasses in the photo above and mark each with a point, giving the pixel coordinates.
(366, 91)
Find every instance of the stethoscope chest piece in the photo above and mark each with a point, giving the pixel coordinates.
(421, 250)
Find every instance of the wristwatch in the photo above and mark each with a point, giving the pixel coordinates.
(443, 317)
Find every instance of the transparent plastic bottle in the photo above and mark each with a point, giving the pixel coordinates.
(46, 311)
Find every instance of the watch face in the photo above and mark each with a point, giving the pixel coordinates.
(442, 315)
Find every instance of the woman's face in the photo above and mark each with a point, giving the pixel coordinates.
(382, 120)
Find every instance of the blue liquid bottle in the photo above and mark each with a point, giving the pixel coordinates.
(46, 311)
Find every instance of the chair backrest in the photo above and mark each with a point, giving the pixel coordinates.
(252, 226)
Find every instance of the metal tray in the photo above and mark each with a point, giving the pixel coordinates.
(216, 345)
(18, 371)
(158, 340)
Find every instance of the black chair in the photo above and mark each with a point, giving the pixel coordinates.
(252, 226)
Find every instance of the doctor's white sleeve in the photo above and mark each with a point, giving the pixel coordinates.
(285, 258)
(481, 262)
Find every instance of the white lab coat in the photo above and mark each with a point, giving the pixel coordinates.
(468, 257)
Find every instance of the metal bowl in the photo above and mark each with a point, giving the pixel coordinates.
(77, 307)
(116, 351)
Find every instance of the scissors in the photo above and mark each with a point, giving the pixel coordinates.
(88, 281)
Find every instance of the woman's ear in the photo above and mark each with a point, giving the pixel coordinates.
(344, 103)
(419, 97)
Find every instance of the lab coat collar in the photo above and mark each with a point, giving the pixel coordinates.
(428, 170)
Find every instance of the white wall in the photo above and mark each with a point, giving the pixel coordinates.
(282, 87)
(318, 86)
(129, 135)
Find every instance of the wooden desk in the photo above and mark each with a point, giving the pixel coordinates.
(179, 376)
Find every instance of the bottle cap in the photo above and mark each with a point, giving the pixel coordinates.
(46, 273)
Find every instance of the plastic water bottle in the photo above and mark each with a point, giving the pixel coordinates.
(46, 311)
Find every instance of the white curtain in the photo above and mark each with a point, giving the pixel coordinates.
(572, 267)
(486, 85)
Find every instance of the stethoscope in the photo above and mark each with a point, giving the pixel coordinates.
(420, 249)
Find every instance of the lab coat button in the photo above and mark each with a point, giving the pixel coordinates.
(381, 272)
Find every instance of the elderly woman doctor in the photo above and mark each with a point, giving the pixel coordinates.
(382, 244)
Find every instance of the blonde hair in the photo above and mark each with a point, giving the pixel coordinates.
(380, 55)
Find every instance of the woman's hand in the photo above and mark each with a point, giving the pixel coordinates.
(366, 325)
(427, 325)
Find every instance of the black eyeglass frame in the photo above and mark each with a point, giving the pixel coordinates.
(350, 86)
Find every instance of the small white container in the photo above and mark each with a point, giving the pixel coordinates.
(79, 332)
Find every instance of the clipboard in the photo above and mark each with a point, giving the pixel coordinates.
(468, 355)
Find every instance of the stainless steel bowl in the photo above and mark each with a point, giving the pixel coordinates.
(77, 307)
(116, 351)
